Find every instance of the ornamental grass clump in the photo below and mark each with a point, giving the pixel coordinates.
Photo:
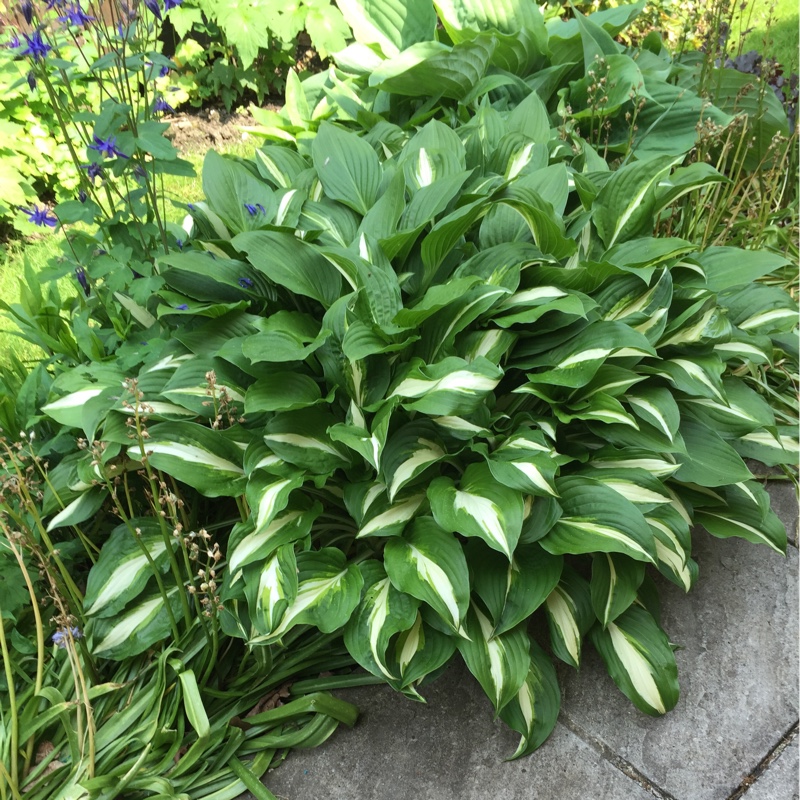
(415, 375)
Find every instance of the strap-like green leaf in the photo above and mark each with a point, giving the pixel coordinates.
(615, 581)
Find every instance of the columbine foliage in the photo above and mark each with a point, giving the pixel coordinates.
(413, 378)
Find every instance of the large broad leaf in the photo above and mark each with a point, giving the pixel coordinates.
(626, 203)
(433, 69)
(393, 25)
(194, 454)
(328, 591)
(479, 506)
(408, 453)
(534, 710)
(596, 518)
(302, 439)
(125, 565)
(709, 459)
(499, 662)
(420, 651)
(382, 613)
(291, 263)
(639, 658)
(428, 563)
(730, 266)
(347, 167)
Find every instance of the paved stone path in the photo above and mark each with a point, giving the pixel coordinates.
(733, 734)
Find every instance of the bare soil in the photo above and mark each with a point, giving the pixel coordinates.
(197, 132)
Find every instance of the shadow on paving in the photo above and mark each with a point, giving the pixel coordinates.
(738, 666)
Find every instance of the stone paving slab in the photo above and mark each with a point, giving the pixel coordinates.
(739, 690)
(780, 781)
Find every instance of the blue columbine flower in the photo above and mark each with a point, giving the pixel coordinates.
(93, 171)
(170, 4)
(245, 283)
(182, 307)
(37, 48)
(41, 216)
(152, 5)
(107, 147)
(26, 7)
(254, 208)
(13, 42)
(62, 635)
(80, 275)
(163, 72)
(163, 107)
(75, 15)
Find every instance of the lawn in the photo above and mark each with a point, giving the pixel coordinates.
(770, 28)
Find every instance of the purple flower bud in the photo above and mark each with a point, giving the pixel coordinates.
(251, 209)
(93, 171)
(82, 196)
(80, 274)
(245, 283)
(13, 42)
(163, 72)
(26, 7)
(32, 80)
(152, 6)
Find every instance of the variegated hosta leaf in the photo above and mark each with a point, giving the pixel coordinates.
(390, 519)
(354, 433)
(450, 387)
(697, 376)
(745, 513)
(420, 651)
(659, 464)
(615, 581)
(135, 629)
(640, 660)
(302, 439)
(745, 411)
(248, 544)
(673, 546)
(328, 590)
(597, 518)
(703, 323)
(383, 612)
(408, 453)
(569, 616)
(513, 590)
(525, 462)
(267, 495)
(656, 406)
(189, 387)
(499, 662)
(527, 306)
(772, 449)
(600, 407)
(539, 516)
(194, 454)
(271, 589)
(642, 307)
(123, 569)
(636, 485)
(428, 563)
(534, 710)
(479, 506)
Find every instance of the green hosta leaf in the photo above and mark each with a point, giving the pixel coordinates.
(636, 485)
(274, 589)
(597, 518)
(428, 563)
(768, 448)
(291, 263)
(390, 519)
(267, 495)
(135, 629)
(450, 387)
(328, 591)
(698, 376)
(746, 514)
(204, 276)
(639, 658)
(731, 266)
(394, 25)
(83, 507)
(615, 581)
(284, 336)
(355, 435)
(189, 387)
(230, 188)
(282, 391)
(279, 165)
(531, 119)
(761, 309)
(745, 411)
(408, 453)
(499, 662)
(709, 459)
(626, 203)
(302, 439)
(658, 464)
(194, 454)
(702, 324)
(479, 506)
(123, 568)
(347, 167)
(436, 298)
(383, 612)
(512, 590)
(687, 179)
(569, 616)
(435, 69)
(249, 544)
(600, 407)
(524, 462)
(534, 711)
(420, 651)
